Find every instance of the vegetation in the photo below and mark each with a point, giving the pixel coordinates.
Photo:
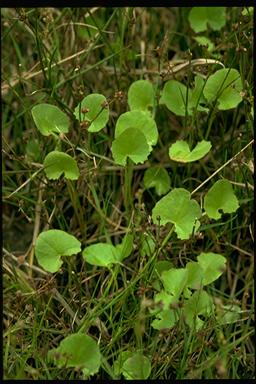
(127, 193)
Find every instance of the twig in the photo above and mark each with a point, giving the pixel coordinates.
(63, 302)
(24, 184)
(223, 166)
(38, 209)
(36, 269)
(173, 68)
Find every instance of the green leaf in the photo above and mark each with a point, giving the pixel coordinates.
(78, 351)
(139, 120)
(50, 119)
(220, 196)
(96, 111)
(176, 97)
(137, 367)
(125, 248)
(229, 314)
(248, 11)
(101, 254)
(213, 266)
(195, 275)
(180, 99)
(118, 363)
(177, 208)
(160, 267)
(165, 299)
(158, 178)
(180, 151)
(200, 303)
(174, 281)
(131, 143)
(202, 40)
(51, 245)
(141, 95)
(165, 319)
(197, 95)
(56, 163)
(200, 16)
(224, 85)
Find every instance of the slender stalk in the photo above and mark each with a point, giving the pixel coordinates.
(128, 201)
(165, 240)
(77, 207)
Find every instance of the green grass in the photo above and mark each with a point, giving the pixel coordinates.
(40, 309)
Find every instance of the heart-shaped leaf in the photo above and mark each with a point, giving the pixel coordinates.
(225, 85)
(56, 163)
(101, 254)
(131, 143)
(50, 119)
(141, 95)
(213, 266)
(78, 351)
(94, 109)
(139, 120)
(180, 151)
(220, 196)
(158, 178)
(51, 245)
(200, 16)
(177, 208)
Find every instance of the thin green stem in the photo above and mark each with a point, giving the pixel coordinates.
(128, 201)
(77, 207)
(166, 239)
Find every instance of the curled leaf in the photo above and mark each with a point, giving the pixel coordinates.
(101, 254)
(50, 119)
(56, 163)
(51, 245)
(180, 151)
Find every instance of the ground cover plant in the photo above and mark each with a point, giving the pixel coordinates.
(127, 193)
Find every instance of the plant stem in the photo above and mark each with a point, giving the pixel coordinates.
(77, 207)
(166, 239)
(128, 173)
